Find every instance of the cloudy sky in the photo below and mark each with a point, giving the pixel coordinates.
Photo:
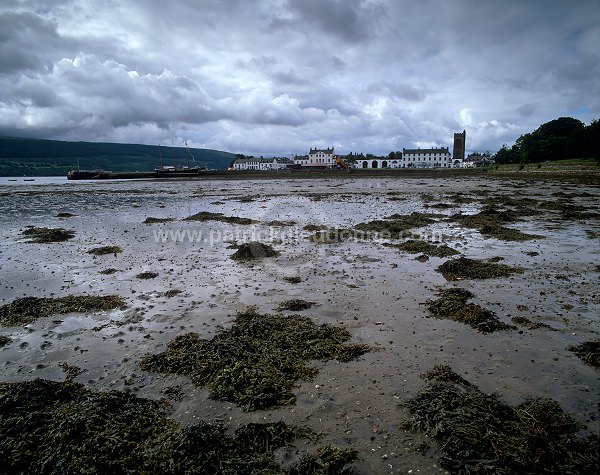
(278, 76)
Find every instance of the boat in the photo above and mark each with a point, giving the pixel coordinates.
(184, 170)
(168, 170)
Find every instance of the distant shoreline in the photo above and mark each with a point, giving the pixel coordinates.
(584, 176)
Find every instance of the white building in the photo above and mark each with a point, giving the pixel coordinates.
(261, 164)
(426, 158)
(378, 163)
(411, 158)
(317, 158)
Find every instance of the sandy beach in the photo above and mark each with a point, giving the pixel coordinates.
(378, 292)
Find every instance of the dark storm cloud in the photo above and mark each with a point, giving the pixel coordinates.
(281, 75)
(27, 42)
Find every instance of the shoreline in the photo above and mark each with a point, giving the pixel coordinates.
(584, 176)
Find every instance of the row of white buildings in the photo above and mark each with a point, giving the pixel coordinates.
(326, 158)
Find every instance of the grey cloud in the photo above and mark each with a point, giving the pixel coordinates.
(27, 42)
(399, 90)
(366, 75)
(350, 20)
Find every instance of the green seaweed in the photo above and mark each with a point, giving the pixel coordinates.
(294, 279)
(478, 433)
(452, 304)
(46, 235)
(4, 340)
(588, 352)
(465, 268)
(61, 427)
(257, 361)
(103, 250)
(28, 309)
(146, 275)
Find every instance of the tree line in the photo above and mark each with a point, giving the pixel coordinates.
(560, 139)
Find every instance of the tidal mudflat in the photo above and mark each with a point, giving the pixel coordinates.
(367, 258)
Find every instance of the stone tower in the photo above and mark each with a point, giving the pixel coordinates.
(458, 152)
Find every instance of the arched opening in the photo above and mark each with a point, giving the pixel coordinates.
(384, 164)
(374, 164)
(365, 164)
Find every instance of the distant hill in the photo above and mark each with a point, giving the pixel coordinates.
(37, 157)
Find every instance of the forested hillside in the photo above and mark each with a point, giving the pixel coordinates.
(35, 157)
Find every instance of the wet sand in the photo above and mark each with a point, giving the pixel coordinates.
(375, 291)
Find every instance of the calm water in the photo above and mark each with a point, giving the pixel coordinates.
(37, 180)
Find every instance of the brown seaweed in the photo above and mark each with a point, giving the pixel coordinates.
(588, 352)
(61, 427)
(146, 275)
(414, 246)
(478, 433)
(103, 250)
(295, 305)
(151, 220)
(452, 304)
(28, 309)
(250, 251)
(208, 216)
(397, 225)
(257, 361)
(46, 235)
(465, 268)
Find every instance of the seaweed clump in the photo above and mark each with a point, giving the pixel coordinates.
(397, 225)
(109, 271)
(28, 309)
(152, 220)
(452, 304)
(104, 250)
(256, 362)
(65, 215)
(208, 216)
(327, 461)
(146, 275)
(414, 246)
(331, 235)
(531, 325)
(588, 352)
(254, 250)
(50, 426)
(45, 235)
(295, 305)
(489, 221)
(4, 340)
(465, 268)
(479, 433)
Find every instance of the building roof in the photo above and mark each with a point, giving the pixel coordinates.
(425, 150)
(321, 150)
